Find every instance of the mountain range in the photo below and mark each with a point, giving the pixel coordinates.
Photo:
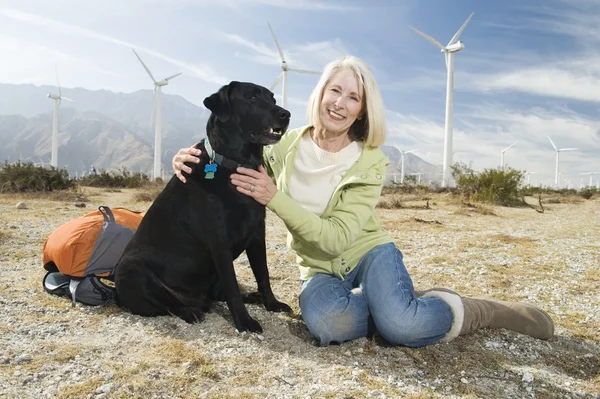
(106, 130)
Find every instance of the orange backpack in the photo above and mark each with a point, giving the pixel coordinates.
(81, 252)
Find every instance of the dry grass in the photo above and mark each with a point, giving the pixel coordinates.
(548, 259)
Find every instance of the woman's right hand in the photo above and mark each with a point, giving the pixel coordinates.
(189, 154)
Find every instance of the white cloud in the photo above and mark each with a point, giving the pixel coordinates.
(204, 72)
(305, 4)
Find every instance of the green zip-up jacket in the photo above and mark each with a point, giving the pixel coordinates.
(334, 242)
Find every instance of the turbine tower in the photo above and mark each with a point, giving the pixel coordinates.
(454, 45)
(285, 69)
(591, 177)
(402, 154)
(556, 152)
(528, 174)
(57, 99)
(156, 113)
(502, 155)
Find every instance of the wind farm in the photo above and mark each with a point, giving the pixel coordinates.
(481, 176)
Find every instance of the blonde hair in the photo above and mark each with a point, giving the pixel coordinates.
(371, 127)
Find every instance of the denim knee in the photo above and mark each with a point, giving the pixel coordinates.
(423, 322)
(333, 313)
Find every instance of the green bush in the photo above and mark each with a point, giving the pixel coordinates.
(120, 178)
(496, 186)
(588, 192)
(25, 177)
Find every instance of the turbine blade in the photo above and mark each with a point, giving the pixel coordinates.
(428, 38)
(409, 152)
(276, 82)
(276, 42)
(459, 31)
(57, 82)
(145, 67)
(66, 98)
(510, 145)
(566, 149)
(552, 142)
(304, 71)
(174, 76)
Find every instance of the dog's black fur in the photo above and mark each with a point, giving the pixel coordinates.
(181, 257)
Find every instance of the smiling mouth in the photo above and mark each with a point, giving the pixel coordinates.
(335, 116)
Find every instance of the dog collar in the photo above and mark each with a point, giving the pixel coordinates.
(215, 159)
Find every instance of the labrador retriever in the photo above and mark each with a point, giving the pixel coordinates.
(181, 257)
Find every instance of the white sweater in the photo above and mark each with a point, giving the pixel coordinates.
(317, 172)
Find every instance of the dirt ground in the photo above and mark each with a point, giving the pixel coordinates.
(550, 259)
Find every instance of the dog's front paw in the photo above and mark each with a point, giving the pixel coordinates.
(249, 324)
(276, 306)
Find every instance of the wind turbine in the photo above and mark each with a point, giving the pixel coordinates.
(285, 69)
(156, 112)
(454, 46)
(502, 155)
(556, 152)
(528, 174)
(57, 99)
(402, 154)
(591, 177)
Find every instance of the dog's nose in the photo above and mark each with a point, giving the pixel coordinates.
(284, 114)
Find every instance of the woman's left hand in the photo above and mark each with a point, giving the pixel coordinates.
(255, 184)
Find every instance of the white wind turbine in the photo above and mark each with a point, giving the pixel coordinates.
(502, 155)
(156, 113)
(402, 155)
(591, 177)
(285, 69)
(57, 99)
(454, 46)
(556, 152)
(528, 174)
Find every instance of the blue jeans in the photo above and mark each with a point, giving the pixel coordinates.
(333, 313)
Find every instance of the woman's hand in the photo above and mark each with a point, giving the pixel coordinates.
(189, 154)
(255, 184)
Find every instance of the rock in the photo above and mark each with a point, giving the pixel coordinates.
(106, 388)
(21, 205)
(28, 379)
(527, 377)
(80, 204)
(23, 359)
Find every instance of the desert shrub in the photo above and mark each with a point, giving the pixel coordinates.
(149, 193)
(121, 178)
(588, 193)
(21, 177)
(496, 186)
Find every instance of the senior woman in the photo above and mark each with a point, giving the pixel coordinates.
(324, 181)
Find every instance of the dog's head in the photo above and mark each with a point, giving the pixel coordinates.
(247, 110)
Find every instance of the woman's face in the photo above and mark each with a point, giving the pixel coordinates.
(342, 102)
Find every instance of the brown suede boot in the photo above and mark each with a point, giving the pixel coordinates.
(519, 317)
(473, 313)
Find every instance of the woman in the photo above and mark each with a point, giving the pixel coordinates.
(324, 181)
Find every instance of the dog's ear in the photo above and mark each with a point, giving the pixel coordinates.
(218, 103)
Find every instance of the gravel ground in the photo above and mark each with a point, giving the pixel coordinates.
(551, 259)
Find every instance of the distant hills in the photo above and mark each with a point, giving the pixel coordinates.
(108, 130)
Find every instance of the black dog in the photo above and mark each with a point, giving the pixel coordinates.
(181, 257)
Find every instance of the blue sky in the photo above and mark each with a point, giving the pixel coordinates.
(530, 69)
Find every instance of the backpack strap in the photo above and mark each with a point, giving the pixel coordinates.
(73, 288)
(107, 214)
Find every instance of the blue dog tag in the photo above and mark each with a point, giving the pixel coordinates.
(210, 170)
